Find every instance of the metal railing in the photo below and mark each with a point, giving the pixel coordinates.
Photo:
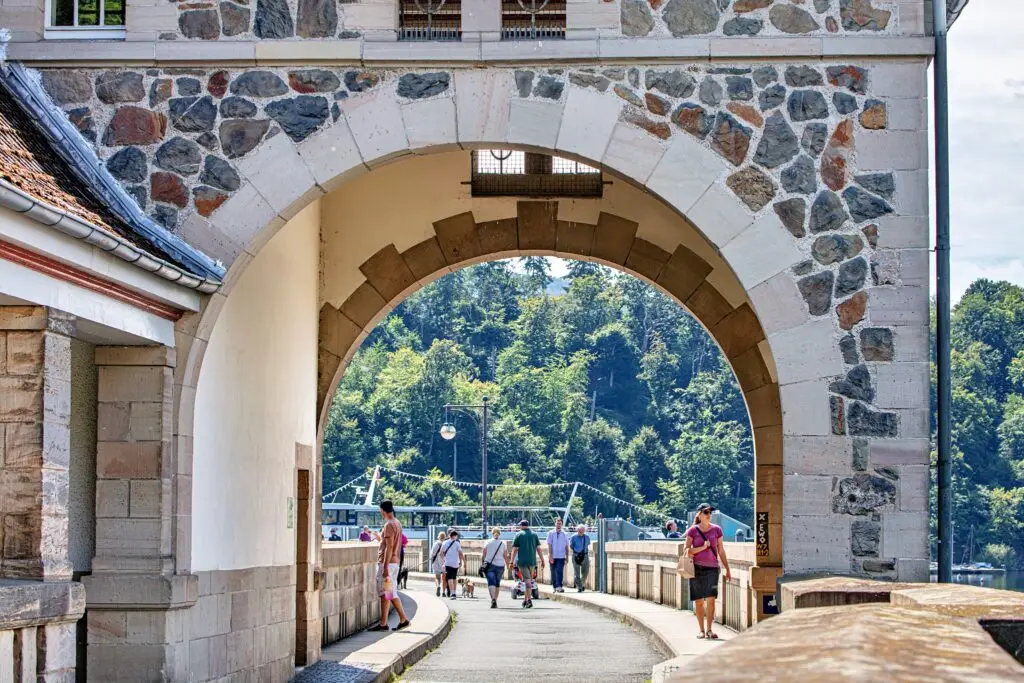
(645, 582)
(620, 579)
(533, 19)
(732, 604)
(669, 587)
(421, 20)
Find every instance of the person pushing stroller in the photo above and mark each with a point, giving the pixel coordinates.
(525, 554)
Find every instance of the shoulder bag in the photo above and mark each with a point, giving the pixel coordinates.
(487, 565)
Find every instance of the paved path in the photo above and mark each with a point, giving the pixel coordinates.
(553, 642)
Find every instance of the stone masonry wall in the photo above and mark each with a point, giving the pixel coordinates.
(836, 152)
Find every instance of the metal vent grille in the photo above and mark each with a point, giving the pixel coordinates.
(532, 19)
(505, 172)
(430, 20)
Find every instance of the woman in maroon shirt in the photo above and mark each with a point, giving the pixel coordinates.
(704, 544)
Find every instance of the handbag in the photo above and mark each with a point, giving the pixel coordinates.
(685, 566)
(487, 565)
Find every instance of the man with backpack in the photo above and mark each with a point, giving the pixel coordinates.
(579, 544)
(525, 553)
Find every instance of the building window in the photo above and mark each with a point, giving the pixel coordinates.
(532, 19)
(430, 20)
(94, 19)
(504, 172)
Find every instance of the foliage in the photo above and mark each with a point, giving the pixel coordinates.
(610, 383)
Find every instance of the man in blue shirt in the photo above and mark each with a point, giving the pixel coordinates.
(579, 545)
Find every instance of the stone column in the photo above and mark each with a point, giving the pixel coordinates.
(309, 576)
(35, 426)
(137, 618)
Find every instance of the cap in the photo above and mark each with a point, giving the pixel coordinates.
(705, 507)
(524, 523)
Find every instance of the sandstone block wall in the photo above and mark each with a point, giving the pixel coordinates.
(348, 600)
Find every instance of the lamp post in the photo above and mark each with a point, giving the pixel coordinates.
(448, 433)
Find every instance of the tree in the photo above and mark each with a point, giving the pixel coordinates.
(649, 456)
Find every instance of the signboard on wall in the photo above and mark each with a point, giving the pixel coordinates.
(769, 605)
(761, 534)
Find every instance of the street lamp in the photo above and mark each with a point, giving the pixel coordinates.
(448, 433)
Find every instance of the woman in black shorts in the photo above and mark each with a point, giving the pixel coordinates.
(704, 543)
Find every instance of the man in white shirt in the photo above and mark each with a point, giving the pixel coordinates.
(558, 547)
(453, 559)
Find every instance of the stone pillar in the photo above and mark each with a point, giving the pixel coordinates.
(137, 616)
(35, 426)
(309, 576)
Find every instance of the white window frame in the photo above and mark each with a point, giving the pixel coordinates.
(51, 32)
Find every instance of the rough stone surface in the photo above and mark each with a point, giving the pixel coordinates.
(739, 88)
(883, 184)
(655, 128)
(219, 174)
(844, 102)
(837, 414)
(778, 143)
(691, 17)
(128, 165)
(851, 277)
(806, 105)
(874, 116)
(189, 86)
(772, 96)
(822, 6)
(710, 92)
(628, 95)
(634, 77)
(193, 114)
(307, 81)
(585, 80)
(673, 83)
(168, 187)
(817, 292)
(134, 126)
(863, 421)
(234, 19)
(865, 538)
(754, 187)
(856, 385)
(273, 20)
(876, 343)
(237, 108)
(179, 155)
(800, 176)
(836, 159)
(217, 84)
(657, 105)
(258, 84)
(863, 494)
(871, 234)
(82, 119)
(524, 82)
(207, 199)
(299, 116)
(765, 75)
(202, 24)
(67, 86)
(747, 113)
(637, 20)
(885, 267)
(792, 19)
(166, 216)
(861, 15)
(548, 87)
(742, 26)
(827, 212)
(317, 18)
(359, 81)
(803, 268)
(116, 87)
(209, 141)
(420, 86)
(743, 6)
(730, 138)
(814, 138)
(803, 76)
(695, 120)
(240, 136)
(160, 91)
(139, 193)
(853, 78)
(792, 213)
(829, 249)
(848, 347)
(864, 206)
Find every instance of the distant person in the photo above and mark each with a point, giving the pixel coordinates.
(453, 560)
(558, 549)
(495, 559)
(401, 551)
(525, 553)
(437, 564)
(672, 529)
(334, 535)
(579, 544)
(387, 568)
(365, 535)
(704, 543)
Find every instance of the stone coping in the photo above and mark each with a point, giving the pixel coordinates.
(370, 53)
(802, 592)
(34, 603)
(372, 658)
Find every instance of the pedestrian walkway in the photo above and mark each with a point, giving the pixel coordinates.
(552, 642)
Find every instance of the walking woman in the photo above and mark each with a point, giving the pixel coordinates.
(704, 544)
(437, 565)
(495, 559)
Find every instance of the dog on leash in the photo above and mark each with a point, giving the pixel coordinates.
(467, 587)
(403, 578)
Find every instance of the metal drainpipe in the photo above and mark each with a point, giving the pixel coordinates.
(942, 299)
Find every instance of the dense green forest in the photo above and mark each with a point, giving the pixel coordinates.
(601, 378)
(596, 377)
(988, 423)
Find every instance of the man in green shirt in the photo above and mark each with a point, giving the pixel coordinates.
(526, 548)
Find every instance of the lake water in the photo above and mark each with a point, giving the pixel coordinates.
(1011, 581)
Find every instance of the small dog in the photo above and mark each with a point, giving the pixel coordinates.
(467, 587)
(403, 578)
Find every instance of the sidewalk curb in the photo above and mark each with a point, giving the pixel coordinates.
(420, 649)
